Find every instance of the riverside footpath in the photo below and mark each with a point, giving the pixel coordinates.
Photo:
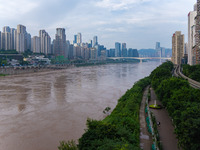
(166, 129)
(145, 137)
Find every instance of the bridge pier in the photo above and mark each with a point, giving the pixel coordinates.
(140, 60)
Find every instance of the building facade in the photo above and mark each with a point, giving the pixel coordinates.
(79, 39)
(177, 47)
(196, 48)
(45, 42)
(60, 48)
(35, 44)
(95, 41)
(191, 24)
(20, 44)
(117, 49)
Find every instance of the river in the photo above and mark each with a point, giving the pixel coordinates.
(38, 110)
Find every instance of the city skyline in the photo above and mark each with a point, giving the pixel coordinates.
(138, 23)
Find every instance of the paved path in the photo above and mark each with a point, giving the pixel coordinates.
(166, 129)
(145, 137)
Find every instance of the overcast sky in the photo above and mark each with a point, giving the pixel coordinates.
(139, 23)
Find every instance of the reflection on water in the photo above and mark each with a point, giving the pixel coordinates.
(38, 110)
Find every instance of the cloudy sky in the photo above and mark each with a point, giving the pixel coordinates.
(139, 23)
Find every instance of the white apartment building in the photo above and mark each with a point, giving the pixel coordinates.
(20, 42)
(35, 44)
(191, 36)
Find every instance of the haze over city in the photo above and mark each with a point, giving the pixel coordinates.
(139, 23)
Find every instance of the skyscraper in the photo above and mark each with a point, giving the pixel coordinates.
(95, 41)
(60, 48)
(13, 38)
(157, 45)
(0, 40)
(20, 43)
(196, 48)
(117, 49)
(191, 24)
(45, 42)
(79, 39)
(133, 53)
(6, 38)
(35, 44)
(6, 29)
(177, 47)
(124, 50)
(75, 39)
(3, 40)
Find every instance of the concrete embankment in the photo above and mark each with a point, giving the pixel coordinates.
(24, 70)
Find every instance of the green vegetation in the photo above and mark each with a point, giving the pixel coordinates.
(183, 104)
(70, 145)
(59, 60)
(192, 72)
(3, 75)
(8, 52)
(121, 129)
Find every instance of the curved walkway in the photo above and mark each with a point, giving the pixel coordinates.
(166, 129)
(145, 137)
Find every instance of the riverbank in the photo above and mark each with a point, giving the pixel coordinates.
(4, 71)
(107, 62)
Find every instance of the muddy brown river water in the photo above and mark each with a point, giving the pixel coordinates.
(39, 110)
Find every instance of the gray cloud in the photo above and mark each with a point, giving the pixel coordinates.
(140, 23)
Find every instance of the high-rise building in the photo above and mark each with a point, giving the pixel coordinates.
(162, 51)
(28, 41)
(13, 38)
(133, 53)
(157, 45)
(0, 40)
(95, 41)
(124, 50)
(20, 42)
(60, 48)
(3, 41)
(35, 44)
(6, 29)
(45, 42)
(6, 38)
(196, 48)
(75, 39)
(112, 52)
(123, 45)
(79, 39)
(177, 47)
(191, 24)
(90, 44)
(93, 54)
(117, 49)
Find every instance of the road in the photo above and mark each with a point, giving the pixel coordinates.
(178, 73)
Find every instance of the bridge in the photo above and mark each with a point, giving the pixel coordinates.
(140, 58)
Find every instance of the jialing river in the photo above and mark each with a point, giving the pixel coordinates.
(38, 110)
